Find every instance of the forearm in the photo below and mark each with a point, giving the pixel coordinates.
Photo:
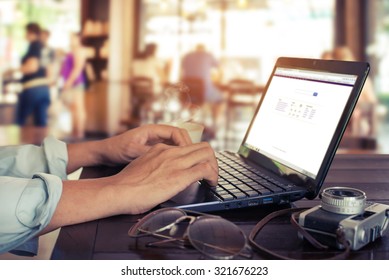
(73, 76)
(25, 69)
(84, 154)
(111, 151)
(86, 200)
(30, 66)
(79, 63)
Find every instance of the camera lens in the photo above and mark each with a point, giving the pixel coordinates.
(344, 193)
(343, 200)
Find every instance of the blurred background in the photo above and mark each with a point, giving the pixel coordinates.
(111, 65)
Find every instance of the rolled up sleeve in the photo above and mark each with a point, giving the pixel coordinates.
(30, 189)
(27, 160)
(27, 206)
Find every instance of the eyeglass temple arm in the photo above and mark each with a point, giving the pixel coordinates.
(169, 226)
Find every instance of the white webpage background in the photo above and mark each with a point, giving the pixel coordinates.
(299, 140)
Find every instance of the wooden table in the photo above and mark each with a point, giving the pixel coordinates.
(107, 238)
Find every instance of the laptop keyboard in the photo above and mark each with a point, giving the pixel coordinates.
(239, 180)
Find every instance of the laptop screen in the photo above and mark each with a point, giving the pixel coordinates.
(298, 117)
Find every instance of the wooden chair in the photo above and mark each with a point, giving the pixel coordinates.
(196, 90)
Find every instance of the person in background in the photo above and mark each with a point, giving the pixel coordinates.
(327, 55)
(36, 198)
(73, 88)
(201, 64)
(360, 126)
(367, 94)
(34, 100)
(147, 65)
(52, 63)
(48, 55)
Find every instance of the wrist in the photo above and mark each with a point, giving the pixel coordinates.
(105, 152)
(83, 155)
(128, 194)
(97, 151)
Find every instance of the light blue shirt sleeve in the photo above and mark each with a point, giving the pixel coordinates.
(30, 189)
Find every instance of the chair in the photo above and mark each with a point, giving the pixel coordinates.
(242, 99)
(205, 114)
(196, 90)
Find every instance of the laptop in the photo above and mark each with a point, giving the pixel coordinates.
(291, 140)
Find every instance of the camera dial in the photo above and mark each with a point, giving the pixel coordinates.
(343, 200)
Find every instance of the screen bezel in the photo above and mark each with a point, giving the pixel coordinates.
(312, 185)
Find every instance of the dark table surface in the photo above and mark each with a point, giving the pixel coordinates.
(107, 238)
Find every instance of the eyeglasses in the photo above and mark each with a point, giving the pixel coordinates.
(211, 235)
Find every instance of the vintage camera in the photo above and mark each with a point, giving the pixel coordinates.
(344, 211)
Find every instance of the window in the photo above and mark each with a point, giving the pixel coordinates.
(247, 36)
(378, 50)
(59, 17)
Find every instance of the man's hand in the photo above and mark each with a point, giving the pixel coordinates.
(125, 147)
(163, 172)
(151, 179)
(136, 142)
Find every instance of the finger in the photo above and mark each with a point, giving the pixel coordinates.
(176, 152)
(139, 148)
(160, 148)
(168, 132)
(185, 134)
(154, 151)
(202, 171)
(193, 147)
(180, 137)
(203, 154)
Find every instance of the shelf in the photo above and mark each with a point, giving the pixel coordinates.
(95, 11)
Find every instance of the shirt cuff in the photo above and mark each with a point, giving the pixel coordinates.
(32, 213)
(27, 249)
(56, 153)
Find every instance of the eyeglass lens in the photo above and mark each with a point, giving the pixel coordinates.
(216, 237)
(213, 236)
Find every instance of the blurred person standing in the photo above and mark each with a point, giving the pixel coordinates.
(50, 63)
(34, 100)
(327, 55)
(200, 64)
(367, 94)
(72, 73)
(147, 65)
(360, 125)
(48, 55)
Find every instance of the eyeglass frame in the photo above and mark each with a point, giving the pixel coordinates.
(186, 237)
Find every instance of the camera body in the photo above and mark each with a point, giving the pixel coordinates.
(359, 229)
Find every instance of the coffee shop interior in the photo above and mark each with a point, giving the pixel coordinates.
(176, 61)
